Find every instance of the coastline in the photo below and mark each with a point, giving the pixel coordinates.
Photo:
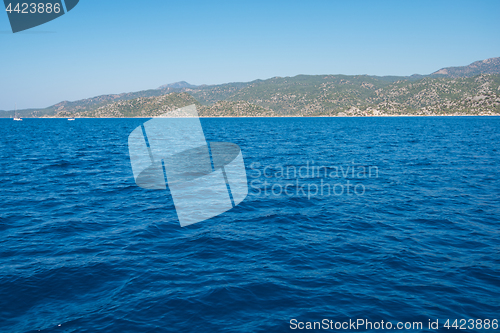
(343, 116)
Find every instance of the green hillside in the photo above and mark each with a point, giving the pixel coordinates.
(332, 95)
(487, 66)
(467, 90)
(365, 95)
(138, 107)
(84, 105)
(234, 109)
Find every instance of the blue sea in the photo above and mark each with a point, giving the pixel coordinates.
(407, 230)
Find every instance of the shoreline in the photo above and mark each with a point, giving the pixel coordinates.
(214, 117)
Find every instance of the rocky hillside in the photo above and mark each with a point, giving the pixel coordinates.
(450, 91)
(85, 105)
(155, 106)
(332, 95)
(488, 66)
(479, 95)
(234, 109)
(364, 95)
(138, 107)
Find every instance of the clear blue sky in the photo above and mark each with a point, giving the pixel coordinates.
(103, 47)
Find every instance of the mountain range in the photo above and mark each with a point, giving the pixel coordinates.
(488, 66)
(466, 90)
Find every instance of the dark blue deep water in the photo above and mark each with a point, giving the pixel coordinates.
(84, 249)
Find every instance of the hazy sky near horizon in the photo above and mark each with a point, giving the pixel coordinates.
(104, 47)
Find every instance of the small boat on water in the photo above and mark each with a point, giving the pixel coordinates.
(16, 117)
(71, 119)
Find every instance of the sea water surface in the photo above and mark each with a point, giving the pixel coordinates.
(84, 249)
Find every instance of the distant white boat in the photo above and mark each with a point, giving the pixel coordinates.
(71, 118)
(16, 117)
